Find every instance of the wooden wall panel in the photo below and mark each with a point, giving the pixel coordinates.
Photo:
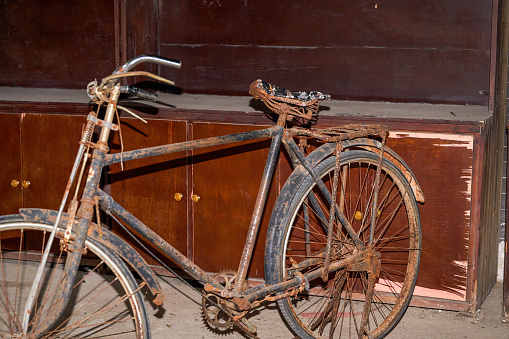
(362, 50)
(10, 165)
(396, 51)
(141, 20)
(60, 44)
(48, 156)
(146, 187)
(409, 24)
(227, 179)
(414, 75)
(442, 164)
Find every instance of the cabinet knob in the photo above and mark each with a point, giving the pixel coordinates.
(178, 196)
(25, 183)
(358, 215)
(14, 183)
(195, 198)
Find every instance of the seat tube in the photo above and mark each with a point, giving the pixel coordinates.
(268, 173)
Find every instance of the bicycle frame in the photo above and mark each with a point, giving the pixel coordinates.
(100, 159)
(276, 133)
(361, 256)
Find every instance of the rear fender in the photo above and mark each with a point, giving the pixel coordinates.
(374, 146)
(106, 238)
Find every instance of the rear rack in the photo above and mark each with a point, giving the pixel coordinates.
(345, 132)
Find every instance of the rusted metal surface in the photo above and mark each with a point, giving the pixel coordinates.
(108, 239)
(374, 146)
(330, 230)
(260, 292)
(234, 297)
(71, 269)
(190, 145)
(310, 169)
(110, 206)
(285, 102)
(259, 207)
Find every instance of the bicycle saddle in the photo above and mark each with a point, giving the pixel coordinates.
(283, 101)
(279, 92)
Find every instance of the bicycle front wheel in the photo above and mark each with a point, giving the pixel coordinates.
(104, 304)
(333, 307)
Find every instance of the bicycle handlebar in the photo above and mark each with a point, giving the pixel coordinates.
(147, 58)
(139, 93)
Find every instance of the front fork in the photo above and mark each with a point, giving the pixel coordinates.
(76, 248)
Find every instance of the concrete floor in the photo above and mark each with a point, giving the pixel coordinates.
(181, 317)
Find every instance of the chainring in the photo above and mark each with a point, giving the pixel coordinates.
(216, 310)
(215, 316)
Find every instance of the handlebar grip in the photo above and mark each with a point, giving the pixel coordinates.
(139, 93)
(148, 58)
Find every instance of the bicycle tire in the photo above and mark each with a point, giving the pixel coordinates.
(108, 306)
(333, 309)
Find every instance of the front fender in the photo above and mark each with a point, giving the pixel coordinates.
(106, 238)
(374, 146)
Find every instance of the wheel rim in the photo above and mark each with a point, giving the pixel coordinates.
(100, 305)
(337, 305)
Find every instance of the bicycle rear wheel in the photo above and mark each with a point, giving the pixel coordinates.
(103, 304)
(297, 239)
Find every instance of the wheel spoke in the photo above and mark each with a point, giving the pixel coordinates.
(99, 307)
(335, 309)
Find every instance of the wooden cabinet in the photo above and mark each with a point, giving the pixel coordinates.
(446, 166)
(450, 154)
(227, 179)
(10, 165)
(38, 149)
(216, 189)
(147, 187)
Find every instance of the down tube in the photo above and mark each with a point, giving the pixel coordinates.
(111, 206)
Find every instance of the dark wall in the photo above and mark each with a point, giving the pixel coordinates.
(400, 50)
(61, 44)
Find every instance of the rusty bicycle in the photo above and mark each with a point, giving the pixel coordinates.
(342, 249)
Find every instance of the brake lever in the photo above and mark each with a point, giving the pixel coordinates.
(136, 73)
(132, 113)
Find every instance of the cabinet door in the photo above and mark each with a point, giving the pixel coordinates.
(147, 187)
(49, 147)
(10, 164)
(227, 179)
(443, 165)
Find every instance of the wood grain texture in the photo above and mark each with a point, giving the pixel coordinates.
(10, 165)
(227, 179)
(142, 34)
(493, 159)
(146, 187)
(442, 164)
(360, 50)
(453, 24)
(49, 147)
(413, 75)
(57, 44)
